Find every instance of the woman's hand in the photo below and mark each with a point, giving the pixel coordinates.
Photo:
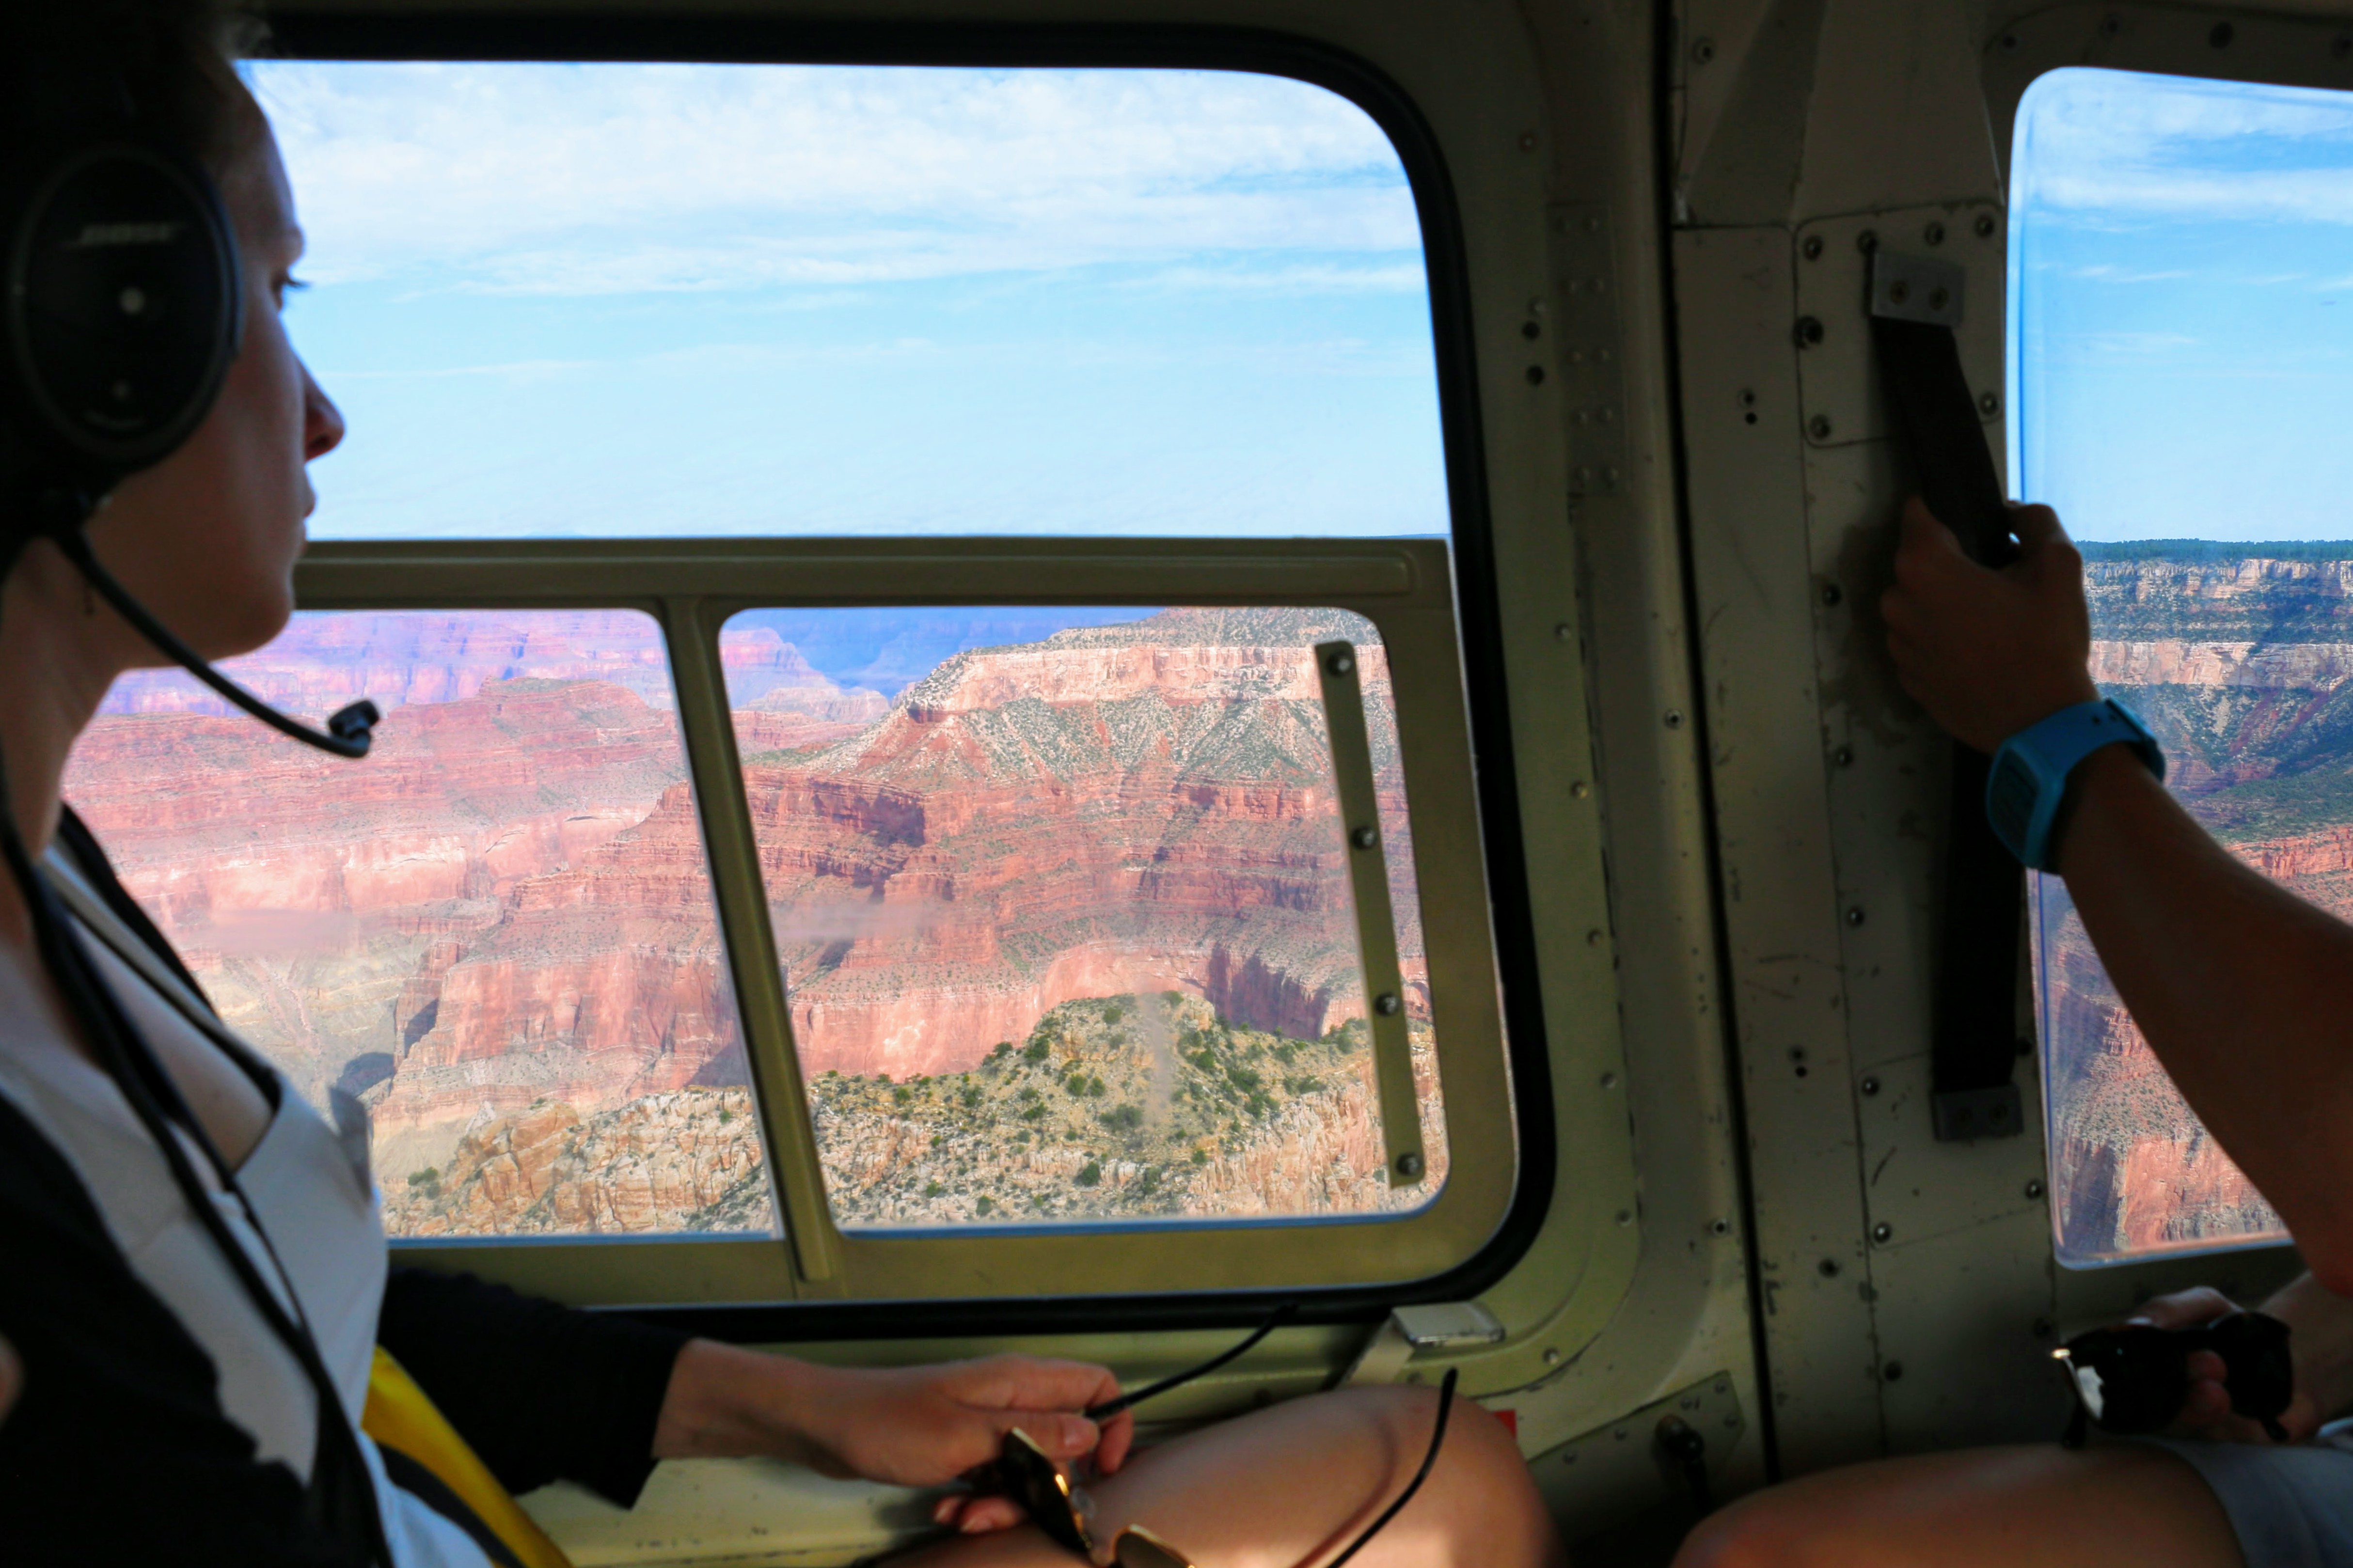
(1988, 652)
(920, 1425)
(2207, 1412)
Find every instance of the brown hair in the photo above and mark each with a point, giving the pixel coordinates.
(169, 62)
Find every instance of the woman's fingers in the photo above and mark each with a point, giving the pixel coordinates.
(2186, 1308)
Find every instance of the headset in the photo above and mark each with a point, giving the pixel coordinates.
(121, 307)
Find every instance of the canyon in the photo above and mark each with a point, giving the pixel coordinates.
(499, 930)
(2240, 660)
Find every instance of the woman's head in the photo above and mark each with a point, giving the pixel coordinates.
(206, 538)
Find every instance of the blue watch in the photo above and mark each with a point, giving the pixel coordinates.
(2028, 778)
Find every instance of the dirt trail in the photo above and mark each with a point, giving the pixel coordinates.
(1152, 1024)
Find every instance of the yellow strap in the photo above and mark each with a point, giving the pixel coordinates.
(399, 1415)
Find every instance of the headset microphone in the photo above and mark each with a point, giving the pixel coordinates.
(122, 310)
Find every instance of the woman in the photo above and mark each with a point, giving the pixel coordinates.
(154, 1369)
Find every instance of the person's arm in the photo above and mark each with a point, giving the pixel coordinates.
(2243, 991)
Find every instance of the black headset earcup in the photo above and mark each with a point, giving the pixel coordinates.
(122, 310)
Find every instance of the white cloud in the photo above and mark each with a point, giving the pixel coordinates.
(600, 179)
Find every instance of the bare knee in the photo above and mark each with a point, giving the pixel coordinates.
(1480, 1505)
(1758, 1531)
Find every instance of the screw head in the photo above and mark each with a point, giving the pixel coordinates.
(1883, 1231)
(1703, 50)
(1809, 332)
(1675, 718)
(1579, 790)
(1593, 937)
(1984, 226)
(1899, 291)
(1341, 664)
(1409, 1164)
(2034, 1189)
(2221, 36)
(1855, 916)
(1867, 241)
(1625, 1217)
(1535, 375)
(1812, 248)
(1940, 298)
(1530, 330)
(1388, 1005)
(1720, 1228)
(1891, 1372)
(1527, 141)
(1868, 1086)
(1844, 757)
(1365, 837)
(1989, 403)
(1833, 594)
(2010, 43)
(1551, 1356)
(2340, 47)
(1609, 1080)
(1828, 1267)
(1934, 233)
(2111, 25)
(1819, 427)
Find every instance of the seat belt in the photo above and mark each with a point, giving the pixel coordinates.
(1915, 303)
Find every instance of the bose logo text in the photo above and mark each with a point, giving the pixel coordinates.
(94, 235)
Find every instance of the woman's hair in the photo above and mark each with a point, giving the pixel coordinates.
(167, 61)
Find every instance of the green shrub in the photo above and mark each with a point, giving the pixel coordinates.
(1090, 1174)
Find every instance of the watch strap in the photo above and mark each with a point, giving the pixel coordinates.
(2028, 781)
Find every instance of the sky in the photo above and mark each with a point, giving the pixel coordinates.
(2181, 308)
(684, 300)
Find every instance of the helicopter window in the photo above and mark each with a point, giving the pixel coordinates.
(2181, 311)
(1063, 903)
(648, 299)
(498, 933)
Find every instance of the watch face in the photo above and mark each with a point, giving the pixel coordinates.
(2011, 795)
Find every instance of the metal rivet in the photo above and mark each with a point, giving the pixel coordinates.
(1854, 914)
(2034, 1189)
(1809, 332)
(1720, 1228)
(2010, 43)
(1984, 225)
(1579, 790)
(1551, 1356)
(2111, 25)
(1409, 1164)
(1899, 291)
(1833, 594)
(1595, 284)
(1938, 299)
(2340, 45)
(1893, 1370)
(1620, 1434)
(1625, 1217)
(1341, 664)
(1703, 50)
(1844, 757)
(2221, 36)
(1867, 241)
(1365, 837)
(1731, 1422)
(122, 391)
(1593, 937)
(1747, 397)
(1934, 233)
(1674, 719)
(1829, 1267)
(1535, 375)
(1388, 1005)
(1609, 1080)
(2041, 1328)
(1562, 630)
(1989, 403)
(1527, 141)
(1723, 1386)
(1883, 1231)
(1812, 248)
(1530, 330)
(1819, 427)
(1868, 1086)
(132, 300)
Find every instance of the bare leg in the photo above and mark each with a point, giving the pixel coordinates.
(2016, 1508)
(1290, 1486)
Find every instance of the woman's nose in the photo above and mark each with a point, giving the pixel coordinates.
(323, 422)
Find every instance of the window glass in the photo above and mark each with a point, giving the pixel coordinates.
(496, 930)
(2181, 310)
(1062, 906)
(560, 301)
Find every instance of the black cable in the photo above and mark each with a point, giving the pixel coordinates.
(347, 731)
(1437, 1436)
(156, 1101)
(1111, 1407)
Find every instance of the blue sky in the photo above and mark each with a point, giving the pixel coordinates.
(620, 300)
(2181, 308)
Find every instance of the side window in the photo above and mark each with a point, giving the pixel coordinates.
(880, 817)
(2182, 294)
(1066, 919)
(496, 931)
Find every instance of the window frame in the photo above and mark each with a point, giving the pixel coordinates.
(701, 1287)
(2273, 50)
